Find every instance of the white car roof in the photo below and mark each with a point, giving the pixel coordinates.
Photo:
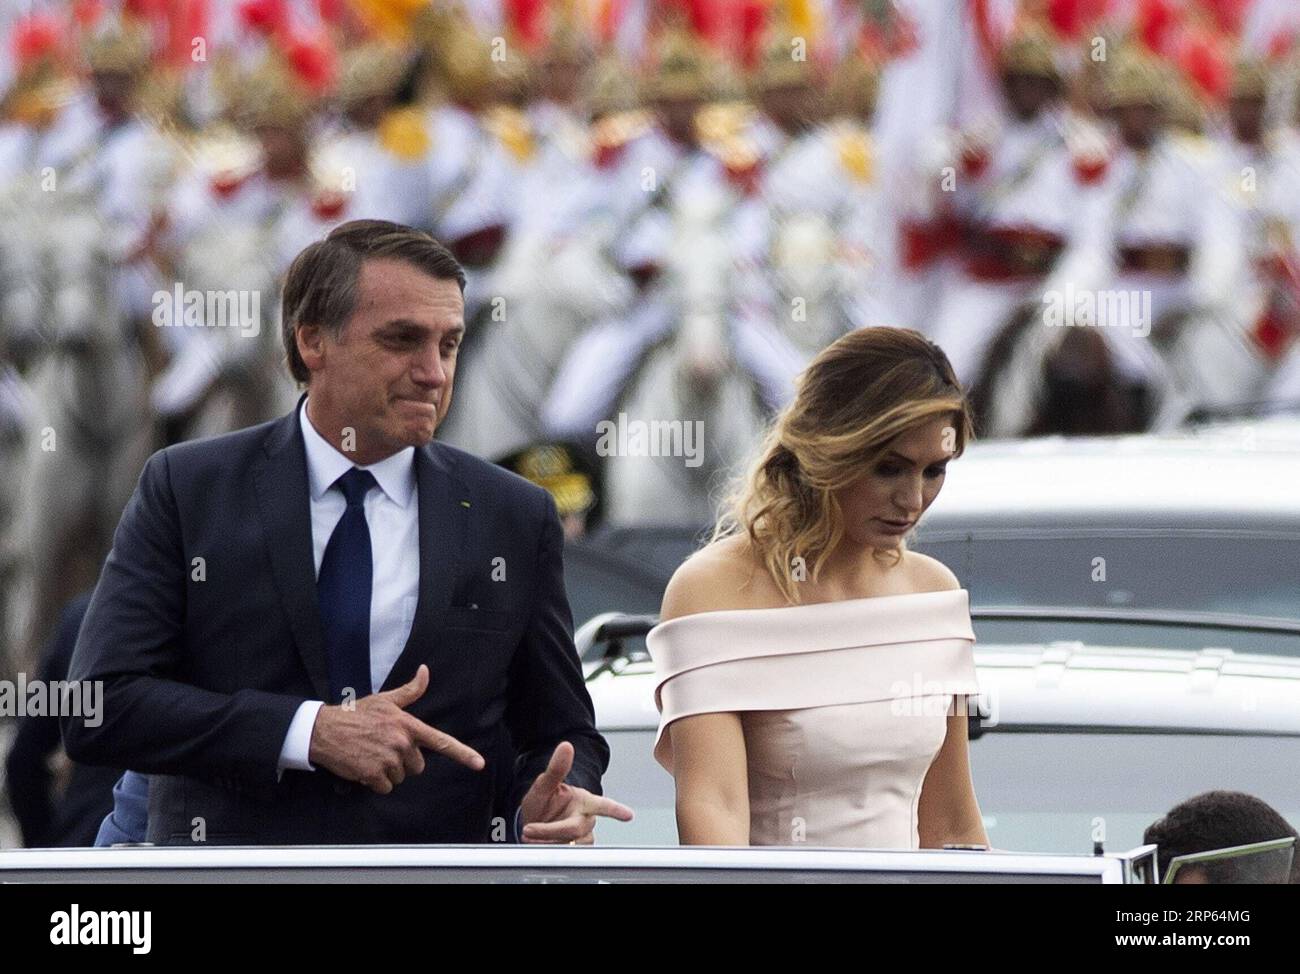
(1069, 685)
(1232, 474)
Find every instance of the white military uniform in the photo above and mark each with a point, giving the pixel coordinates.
(1282, 204)
(1026, 206)
(234, 230)
(1224, 364)
(550, 200)
(809, 257)
(127, 169)
(470, 187)
(626, 206)
(379, 185)
(1169, 197)
(652, 178)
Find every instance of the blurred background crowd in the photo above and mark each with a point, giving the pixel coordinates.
(665, 208)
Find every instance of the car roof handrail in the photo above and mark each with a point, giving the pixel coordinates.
(1168, 617)
(601, 636)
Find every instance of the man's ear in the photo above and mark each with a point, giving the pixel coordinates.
(311, 345)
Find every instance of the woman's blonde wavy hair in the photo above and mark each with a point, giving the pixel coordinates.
(853, 399)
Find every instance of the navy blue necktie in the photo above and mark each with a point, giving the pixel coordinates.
(343, 590)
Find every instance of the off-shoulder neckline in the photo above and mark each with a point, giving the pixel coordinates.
(814, 605)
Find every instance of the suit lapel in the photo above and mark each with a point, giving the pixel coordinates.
(284, 504)
(442, 536)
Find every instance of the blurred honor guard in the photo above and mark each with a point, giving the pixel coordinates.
(468, 168)
(646, 174)
(1174, 238)
(105, 147)
(805, 237)
(251, 198)
(1160, 258)
(379, 153)
(551, 145)
(1019, 208)
(1231, 364)
(555, 277)
(89, 195)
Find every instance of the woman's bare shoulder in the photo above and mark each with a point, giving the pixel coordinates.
(722, 575)
(929, 574)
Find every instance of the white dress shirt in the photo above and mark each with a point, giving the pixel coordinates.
(392, 515)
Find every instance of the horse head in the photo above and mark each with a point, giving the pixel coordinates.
(700, 271)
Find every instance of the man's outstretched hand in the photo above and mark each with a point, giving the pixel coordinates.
(377, 743)
(556, 812)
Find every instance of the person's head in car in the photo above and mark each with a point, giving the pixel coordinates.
(1220, 820)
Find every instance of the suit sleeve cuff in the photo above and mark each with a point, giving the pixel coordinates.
(297, 742)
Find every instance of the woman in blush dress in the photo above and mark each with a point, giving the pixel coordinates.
(812, 672)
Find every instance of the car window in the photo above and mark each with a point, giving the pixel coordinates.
(1045, 792)
(597, 581)
(659, 549)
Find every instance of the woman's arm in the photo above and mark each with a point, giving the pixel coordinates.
(947, 811)
(712, 780)
(709, 763)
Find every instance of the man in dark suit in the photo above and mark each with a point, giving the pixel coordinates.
(331, 629)
(45, 816)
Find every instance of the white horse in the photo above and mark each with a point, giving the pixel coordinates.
(89, 429)
(692, 414)
(19, 337)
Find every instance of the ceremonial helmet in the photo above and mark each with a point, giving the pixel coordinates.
(609, 87)
(469, 67)
(42, 84)
(855, 86)
(561, 470)
(119, 45)
(1137, 77)
(681, 66)
(1030, 51)
(268, 94)
(567, 38)
(373, 69)
(1250, 79)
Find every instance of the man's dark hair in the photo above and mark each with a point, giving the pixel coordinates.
(321, 287)
(1218, 820)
